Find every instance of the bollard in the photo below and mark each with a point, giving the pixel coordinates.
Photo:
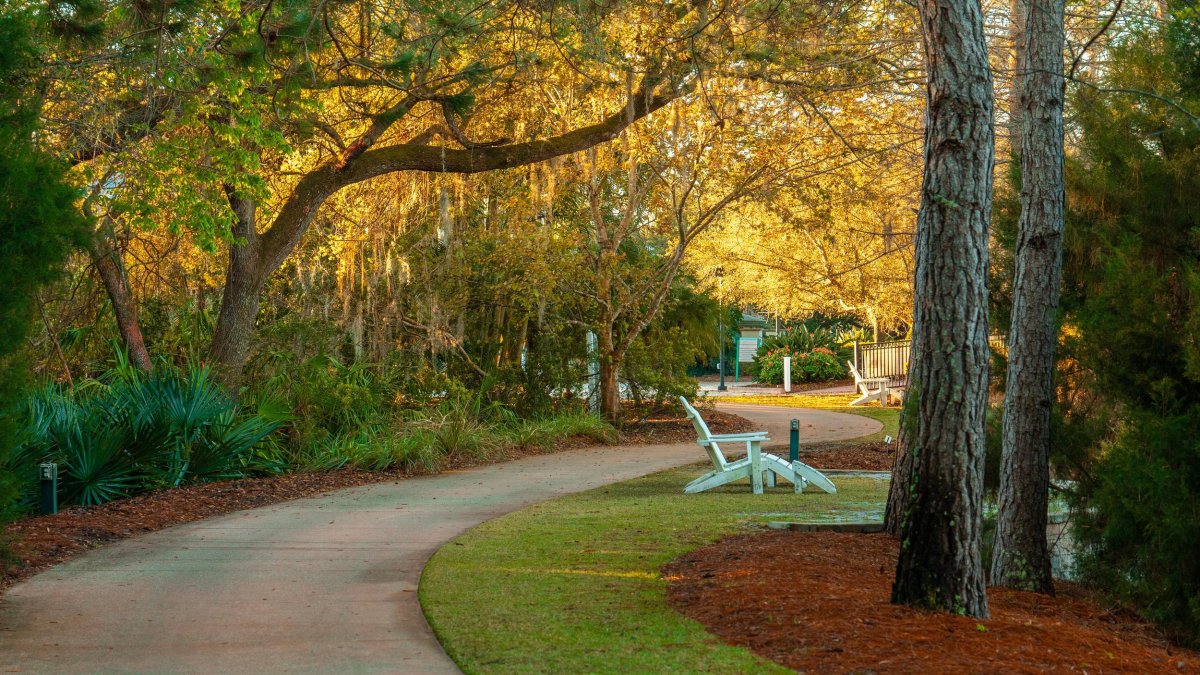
(48, 477)
(787, 374)
(794, 441)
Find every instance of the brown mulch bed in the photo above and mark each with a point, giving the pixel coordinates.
(875, 456)
(818, 602)
(669, 428)
(43, 541)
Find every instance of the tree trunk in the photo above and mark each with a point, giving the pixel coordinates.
(107, 260)
(1016, 34)
(244, 281)
(609, 359)
(1021, 557)
(610, 392)
(940, 563)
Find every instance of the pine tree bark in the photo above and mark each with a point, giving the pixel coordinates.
(1021, 557)
(1016, 34)
(940, 563)
(107, 260)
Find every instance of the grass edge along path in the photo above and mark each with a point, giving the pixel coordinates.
(573, 584)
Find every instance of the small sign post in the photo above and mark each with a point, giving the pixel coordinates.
(48, 478)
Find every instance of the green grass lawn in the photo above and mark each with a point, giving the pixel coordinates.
(836, 402)
(572, 585)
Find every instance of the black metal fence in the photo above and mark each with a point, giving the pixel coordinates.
(883, 359)
(890, 359)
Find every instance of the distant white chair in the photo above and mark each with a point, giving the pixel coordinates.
(752, 465)
(871, 388)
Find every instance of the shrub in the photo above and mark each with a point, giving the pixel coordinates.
(1139, 521)
(134, 431)
(544, 432)
(804, 339)
(818, 365)
(656, 368)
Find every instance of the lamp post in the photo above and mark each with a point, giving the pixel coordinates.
(720, 273)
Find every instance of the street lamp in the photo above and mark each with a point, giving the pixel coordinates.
(720, 274)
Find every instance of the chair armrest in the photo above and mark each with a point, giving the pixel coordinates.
(750, 436)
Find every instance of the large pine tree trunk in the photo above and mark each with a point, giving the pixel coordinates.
(107, 260)
(1021, 558)
(940, 562)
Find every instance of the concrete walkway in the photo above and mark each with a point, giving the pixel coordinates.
(320, 585)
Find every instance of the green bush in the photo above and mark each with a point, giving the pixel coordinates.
(1139, 521)
(132, 431)
(545, 431)
(803, 339)
(656, 368)
(818, 365)
(460, 424)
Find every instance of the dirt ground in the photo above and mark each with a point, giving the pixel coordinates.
(43, 541)
(818, 602)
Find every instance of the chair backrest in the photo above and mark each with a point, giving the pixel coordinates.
(854, 371)
(704, 436)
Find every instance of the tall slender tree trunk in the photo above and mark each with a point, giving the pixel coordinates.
(1016, 34)
(107, 260)
(940, 528)
(1021, 557)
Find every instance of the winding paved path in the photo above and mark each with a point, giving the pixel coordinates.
(326, 584)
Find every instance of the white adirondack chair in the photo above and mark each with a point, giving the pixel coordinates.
(871, 388)
(752, 465)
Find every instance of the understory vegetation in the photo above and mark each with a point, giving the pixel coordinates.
(128, 431)
(1128, 382)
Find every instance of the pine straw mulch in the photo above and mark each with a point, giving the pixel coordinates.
(657, 427)
(873, 456)
(43, 541)
(818, 602)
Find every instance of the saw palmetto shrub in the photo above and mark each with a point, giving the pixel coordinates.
(130, 432)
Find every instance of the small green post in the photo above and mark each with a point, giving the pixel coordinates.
(48, 478)
(794, 441)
